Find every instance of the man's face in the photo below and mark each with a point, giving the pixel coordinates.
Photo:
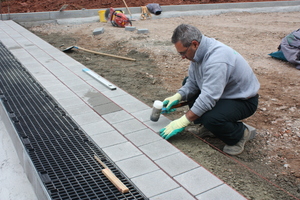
(187, 52)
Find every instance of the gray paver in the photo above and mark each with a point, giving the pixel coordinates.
(130, 28)
(98, 31)
(142, 137)
(198, 180)
(137, 166)
(69, 62)
(49, 80)
(84, 90)
(142, 31)
(97, 128)
(118, 116)
(122, 151)
(143, 115)
(34, 67)
(113, 93)
(71, 101)
(66, 76)
(129, 126)
(22, 54)
(91, 93)
(78, 109)
(221, 192)
(95, 83)
(108, 139)
(159, 149)
(154, 183)
(79, 88)
(53, 66)
(176, 194)
(98, 100)
(87, 118)
(107, 108)
(129, 103)
(176, 164)
(156, 126)
(61, 94)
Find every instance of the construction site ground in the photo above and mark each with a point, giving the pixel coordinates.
(269, 166)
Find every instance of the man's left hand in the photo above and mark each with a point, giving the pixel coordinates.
(174, 127)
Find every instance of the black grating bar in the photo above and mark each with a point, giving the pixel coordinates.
(62, 154)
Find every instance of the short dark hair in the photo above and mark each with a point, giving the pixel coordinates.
(186, 33)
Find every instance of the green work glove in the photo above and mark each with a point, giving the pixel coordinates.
(174, 127)
(171, 101)
(165, 111)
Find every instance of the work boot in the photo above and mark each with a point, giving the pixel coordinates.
(200, 131)
(239, 147)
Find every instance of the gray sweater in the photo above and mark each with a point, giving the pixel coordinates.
(219, 72)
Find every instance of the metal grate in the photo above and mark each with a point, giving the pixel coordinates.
(61, 152)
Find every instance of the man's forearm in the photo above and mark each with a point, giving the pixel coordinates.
(191, 116)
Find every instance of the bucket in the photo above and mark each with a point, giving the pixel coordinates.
(102, 15)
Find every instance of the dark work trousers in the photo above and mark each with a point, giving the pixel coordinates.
(223, 119)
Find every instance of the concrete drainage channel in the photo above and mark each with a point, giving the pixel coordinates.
(57, 156)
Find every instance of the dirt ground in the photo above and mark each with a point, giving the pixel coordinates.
(269, 166)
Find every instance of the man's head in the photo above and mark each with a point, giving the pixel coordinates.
(186, 39)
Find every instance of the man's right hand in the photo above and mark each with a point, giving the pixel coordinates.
(171, 101)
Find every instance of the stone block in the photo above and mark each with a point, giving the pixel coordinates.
(143, 31)
(130, 28)
(98, 31)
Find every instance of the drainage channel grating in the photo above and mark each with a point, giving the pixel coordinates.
(60, 151)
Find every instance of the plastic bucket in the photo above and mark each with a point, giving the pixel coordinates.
(102, 15)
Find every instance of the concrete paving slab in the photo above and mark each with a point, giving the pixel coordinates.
(143, 115)
(33, 66)
(97, 128)
(108, 139)
(176, 194)
(113, 93)
(80, 88)
(143, 137)
(198, 180)
(96, 84)
(155, 183)
(122, 151)
(64, 76)
(48, 80)
(78, 109)
(137, 166)
(98, 100)
(70, 63)
(156, 126)
(116, 117)
(107, 108)
(176, 164)
(63, 93)
(87, 118)
(129, 103)
(159, 149)
(129, 126)
(221, 192)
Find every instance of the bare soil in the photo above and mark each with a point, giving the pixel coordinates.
(269, 166)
